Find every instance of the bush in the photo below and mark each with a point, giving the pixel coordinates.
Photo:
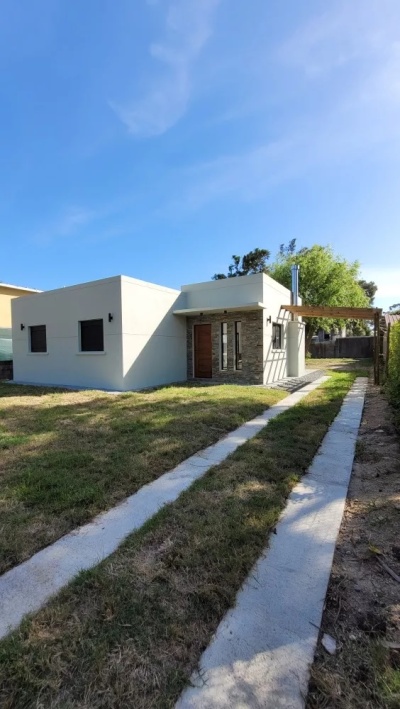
(393, 383)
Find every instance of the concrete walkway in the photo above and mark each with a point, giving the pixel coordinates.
(27, 587)
(292, 384)
(261, 654)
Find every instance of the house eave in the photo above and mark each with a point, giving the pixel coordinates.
(222, 309)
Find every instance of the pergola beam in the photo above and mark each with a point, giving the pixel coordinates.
(325, 311)
(345, 313)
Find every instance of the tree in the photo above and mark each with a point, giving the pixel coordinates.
(289, 249)
(253, 262)
(370, 289)
(325, 279)
(395, 309)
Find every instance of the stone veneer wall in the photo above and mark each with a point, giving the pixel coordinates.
(252, 346)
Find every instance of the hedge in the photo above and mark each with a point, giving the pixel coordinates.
(393, 384)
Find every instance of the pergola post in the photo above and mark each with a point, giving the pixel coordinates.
(377, 341)
(345, 313)
(387, 350)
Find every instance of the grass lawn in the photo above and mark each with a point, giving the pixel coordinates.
(65, 456)
(130, 632)
(340, 363)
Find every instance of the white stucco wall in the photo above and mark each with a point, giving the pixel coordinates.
(275, 361)
(296, 348)
(228, 292)
(154, 340)
(145, 343)
(61, 310)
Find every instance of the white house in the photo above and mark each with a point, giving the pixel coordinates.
(121, 333)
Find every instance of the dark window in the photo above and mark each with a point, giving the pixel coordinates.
(238, 345)
(38, 338)
(92, 336)
(224, 345)
(276, 336)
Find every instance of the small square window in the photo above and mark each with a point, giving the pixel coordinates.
(38, 340)
(276, 336)
(92, 335)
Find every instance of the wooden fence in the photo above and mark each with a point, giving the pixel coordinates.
(6, 370)
(350, 347)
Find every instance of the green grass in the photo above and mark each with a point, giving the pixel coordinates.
(366, 675)
(130, 632)
(340, 363)
(66, 456)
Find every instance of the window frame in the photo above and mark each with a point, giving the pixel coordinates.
(35, 329)
(276, 327)
(223, 350)
(238, 346)
(81, 343)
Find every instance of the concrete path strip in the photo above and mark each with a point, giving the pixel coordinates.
(263, 649)
(27, 587)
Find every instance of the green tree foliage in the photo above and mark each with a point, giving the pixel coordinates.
(253, 262)
(370, 289)
(325, 279)
(288, 250)
(393, 383)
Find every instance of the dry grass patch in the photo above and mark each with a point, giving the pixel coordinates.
(65, 456)
(362, 610)
(340, 363)
(130, 632)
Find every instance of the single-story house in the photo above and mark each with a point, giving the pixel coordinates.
(7, 294)
(121, 334)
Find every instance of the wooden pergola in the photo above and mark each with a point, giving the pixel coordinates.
(345, 313)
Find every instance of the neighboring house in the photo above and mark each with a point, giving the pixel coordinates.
(121, 334)
(7, 294)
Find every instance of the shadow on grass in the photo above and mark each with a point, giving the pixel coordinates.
(66, 458)
(131, 631)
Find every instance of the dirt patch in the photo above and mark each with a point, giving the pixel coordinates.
(363, 602)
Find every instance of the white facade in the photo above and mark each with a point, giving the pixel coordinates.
(154, 340)
(61, 311)
(144, 330)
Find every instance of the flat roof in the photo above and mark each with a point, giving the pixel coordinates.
(219, 309)
(235, 282)
(11, 287)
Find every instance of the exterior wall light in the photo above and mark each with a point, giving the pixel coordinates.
(110, 317)
(269, 319)
(22, 327)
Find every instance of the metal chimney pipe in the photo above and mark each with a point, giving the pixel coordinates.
(295, 285)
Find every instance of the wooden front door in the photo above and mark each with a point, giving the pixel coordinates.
(202, 351)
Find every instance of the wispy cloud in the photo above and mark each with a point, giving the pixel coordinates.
(357, 117)
(344, 34)
(72, 221)
(188, 26)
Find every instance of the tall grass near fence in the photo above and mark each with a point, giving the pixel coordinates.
(393, 383)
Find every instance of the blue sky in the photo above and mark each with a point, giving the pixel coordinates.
(156, 138)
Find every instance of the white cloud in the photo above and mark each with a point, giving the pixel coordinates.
(72, 220)
(188, 27)
(357, 118)
(345, 33)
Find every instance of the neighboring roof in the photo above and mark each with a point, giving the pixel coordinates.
(391, 318)
(11, 287)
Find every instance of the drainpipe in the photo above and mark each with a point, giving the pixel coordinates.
(295, 285)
